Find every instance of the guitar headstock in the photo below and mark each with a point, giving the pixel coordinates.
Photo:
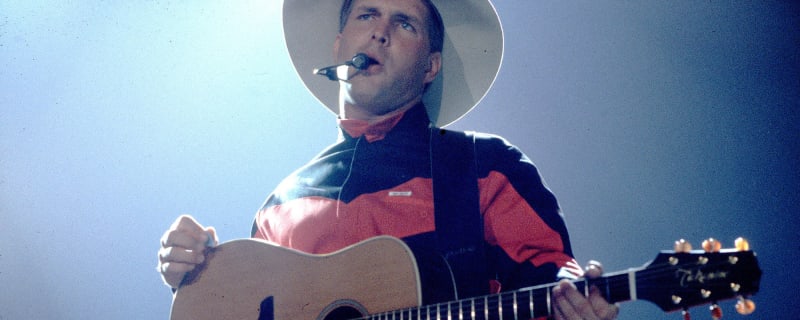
(682, 278)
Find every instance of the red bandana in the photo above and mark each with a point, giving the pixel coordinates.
(371, 131)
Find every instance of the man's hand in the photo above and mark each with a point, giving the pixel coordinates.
(571, 304)
(182, 249)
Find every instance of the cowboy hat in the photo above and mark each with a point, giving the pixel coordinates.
(471, 57)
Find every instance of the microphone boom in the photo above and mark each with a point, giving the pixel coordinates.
(360, 61)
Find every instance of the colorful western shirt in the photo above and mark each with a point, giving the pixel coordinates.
(376, 180)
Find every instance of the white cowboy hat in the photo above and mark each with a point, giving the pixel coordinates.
(471, 56)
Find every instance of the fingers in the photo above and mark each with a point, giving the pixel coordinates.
(569, 303)
(183, 248)
(561, 309)
(175, 262)
(185, 232)
(180, 255)
(212, 241)
(601, 307)
(173, 273)
(594, 269)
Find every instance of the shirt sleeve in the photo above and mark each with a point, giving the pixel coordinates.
(524, 228)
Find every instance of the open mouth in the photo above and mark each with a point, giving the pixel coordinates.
(362, 61)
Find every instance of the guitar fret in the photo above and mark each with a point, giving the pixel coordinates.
(549, 305)
(500, 306)
(530, 303)
(449, 313)
(515, 306)
(631, 284)
(428, 313)
(486, 307)
(585, 287)
(624, 286)
(472, 309)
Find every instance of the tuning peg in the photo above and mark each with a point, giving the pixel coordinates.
(682, 246)
(741, 244)
(712, 245)
(745, 306)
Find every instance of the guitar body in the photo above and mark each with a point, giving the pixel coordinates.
(252, 279)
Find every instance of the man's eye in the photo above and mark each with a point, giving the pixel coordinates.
(407, 26)
(365, 16)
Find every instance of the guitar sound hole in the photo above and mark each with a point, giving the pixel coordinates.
(344, 309)
(344, 313)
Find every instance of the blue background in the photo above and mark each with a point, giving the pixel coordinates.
(650, 120)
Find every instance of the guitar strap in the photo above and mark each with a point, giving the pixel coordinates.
(459, 224)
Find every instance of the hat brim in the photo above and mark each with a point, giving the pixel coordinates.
(471, 57)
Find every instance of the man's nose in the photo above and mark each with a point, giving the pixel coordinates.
(381, 34)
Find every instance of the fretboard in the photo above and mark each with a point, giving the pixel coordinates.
(527, 303)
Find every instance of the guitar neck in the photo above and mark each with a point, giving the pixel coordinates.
(527, 303)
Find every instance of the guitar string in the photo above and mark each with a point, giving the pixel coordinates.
(495, 301)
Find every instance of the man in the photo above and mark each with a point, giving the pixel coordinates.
(385, 175)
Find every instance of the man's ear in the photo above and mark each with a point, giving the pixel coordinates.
(434, 66)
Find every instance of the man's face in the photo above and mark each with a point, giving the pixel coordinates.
(395, 34)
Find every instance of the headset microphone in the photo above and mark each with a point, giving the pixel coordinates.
(360, 61)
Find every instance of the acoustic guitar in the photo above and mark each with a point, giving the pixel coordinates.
(378, 279)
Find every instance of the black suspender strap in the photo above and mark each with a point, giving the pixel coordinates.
(459, 224)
